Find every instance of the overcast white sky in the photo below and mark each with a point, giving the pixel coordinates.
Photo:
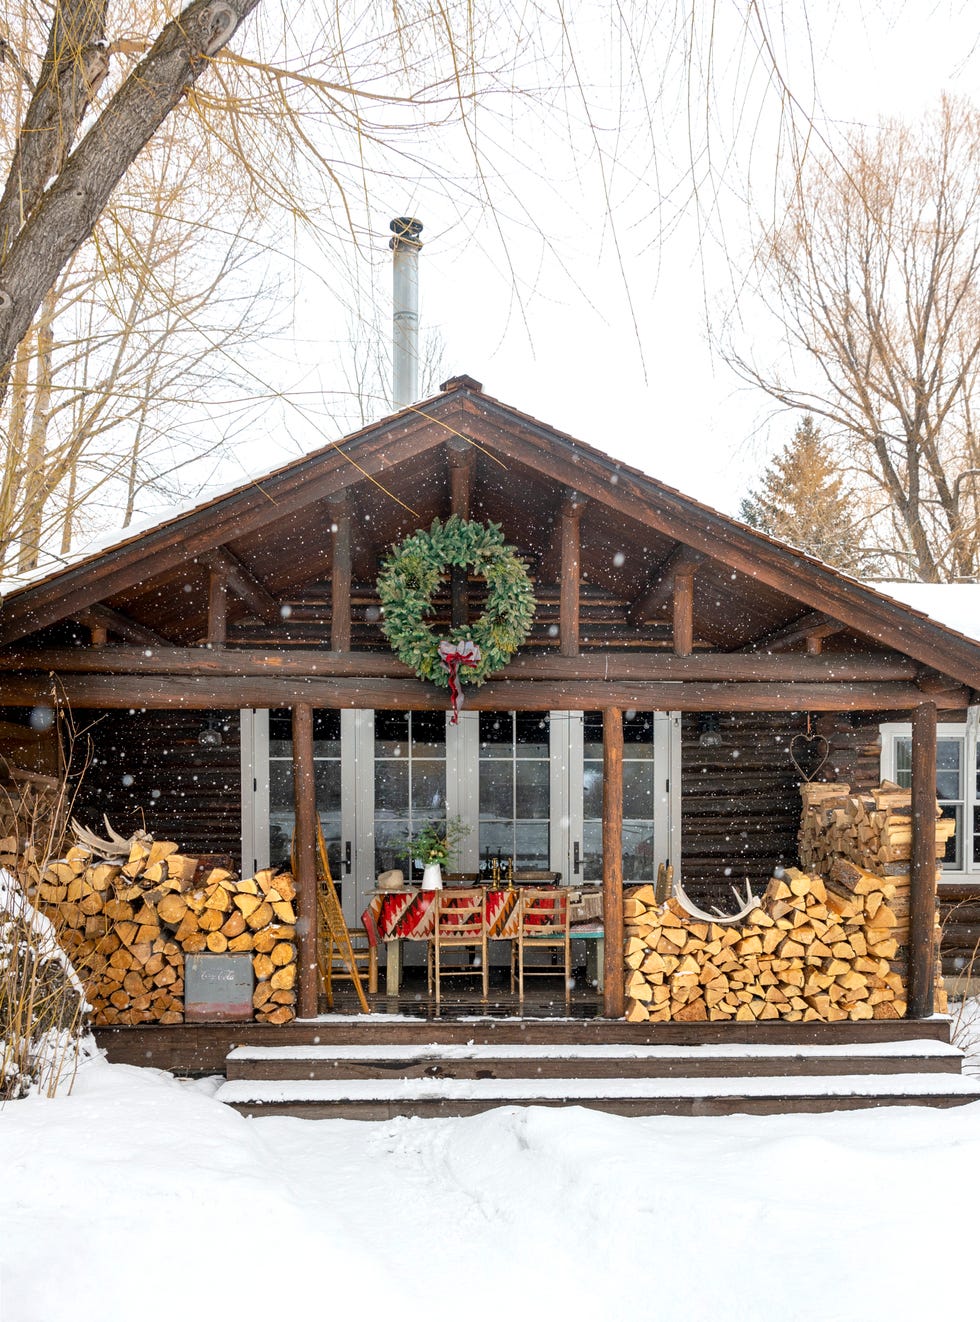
(613, 346)
(594, 317)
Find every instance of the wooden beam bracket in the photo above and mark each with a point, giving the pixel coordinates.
(659, 592)
(242, 582)
(101, 619)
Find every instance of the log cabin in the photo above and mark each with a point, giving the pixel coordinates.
(229, 668)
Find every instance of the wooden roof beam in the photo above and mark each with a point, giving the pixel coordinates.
(462, 470)
(242, 582)
(104, 618)
(805, 629)
(204, 691)
(340, 572)
(570, 572)
(746, 667)
(682, 561)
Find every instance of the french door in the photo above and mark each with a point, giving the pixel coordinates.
(527, 785)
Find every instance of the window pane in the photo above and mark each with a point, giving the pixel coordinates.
(390, 787)
(592, 789)
(429, 788)
(530, 845)
(638, 856)
(280, 835)
(391, 726)
(281, 785)
(638, 736)
(531, 734)
(327, 778)
(592, 851)
(948, 769)
(953, 857)
(533, 789)
(429, 734)
(638, 790)
(496, 734)
(497, 837)
(976, 834)
(592, 734)
(496, 789)
(903, 762)
(389, 845)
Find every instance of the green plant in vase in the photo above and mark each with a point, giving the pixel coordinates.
(433, 847)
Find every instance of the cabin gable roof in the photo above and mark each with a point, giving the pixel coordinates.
(273, 536)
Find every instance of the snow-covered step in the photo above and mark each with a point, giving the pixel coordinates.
(374, 1099)
(578, 1060)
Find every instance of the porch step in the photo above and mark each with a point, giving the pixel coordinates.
(373, 1099)
(387, 1060)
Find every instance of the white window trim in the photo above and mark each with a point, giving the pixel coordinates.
(967, 731)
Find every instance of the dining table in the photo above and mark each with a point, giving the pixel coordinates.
(409, 913)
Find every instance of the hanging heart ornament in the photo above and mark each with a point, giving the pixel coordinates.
(814, 750)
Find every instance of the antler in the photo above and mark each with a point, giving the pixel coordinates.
(117, 847)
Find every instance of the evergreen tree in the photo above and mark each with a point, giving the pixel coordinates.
(803, 499)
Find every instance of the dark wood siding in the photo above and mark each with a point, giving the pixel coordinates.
(740, 802)
(148, 768)
(740, 805)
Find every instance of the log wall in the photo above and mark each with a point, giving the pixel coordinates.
(147, 771)
(740, 807)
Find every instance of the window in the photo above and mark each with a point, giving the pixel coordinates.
(957, 784)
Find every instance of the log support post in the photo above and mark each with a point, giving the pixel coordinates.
(462, 467)
(922, 908)
(304, 797)
(614, 978)
(217, 608)
(684, 610)
(340, 574)
(572, 509)
(98, 635)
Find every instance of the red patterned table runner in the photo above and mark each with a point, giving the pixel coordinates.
(409, 915)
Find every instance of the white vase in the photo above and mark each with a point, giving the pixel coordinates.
(432, 877)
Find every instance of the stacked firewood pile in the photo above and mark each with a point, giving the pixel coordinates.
(127, 926)
(873, 829)
(826, 944)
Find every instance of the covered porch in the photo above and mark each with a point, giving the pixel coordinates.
(648, 605)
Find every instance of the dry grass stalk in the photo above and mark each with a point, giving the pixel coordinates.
(42, 1001)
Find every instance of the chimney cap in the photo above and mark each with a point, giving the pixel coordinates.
(462, 383)
(406, 229)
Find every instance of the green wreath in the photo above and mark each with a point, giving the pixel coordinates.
(411, 575)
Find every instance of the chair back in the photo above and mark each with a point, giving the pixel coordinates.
(461, 915)
(543, 914)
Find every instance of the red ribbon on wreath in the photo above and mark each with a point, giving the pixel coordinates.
(454, 655)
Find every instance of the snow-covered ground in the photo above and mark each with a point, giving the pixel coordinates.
(140, 1197)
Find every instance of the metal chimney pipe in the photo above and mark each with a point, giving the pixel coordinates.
(405, 247)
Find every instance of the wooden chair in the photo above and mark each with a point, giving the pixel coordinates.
(543, 924)
(460, 924)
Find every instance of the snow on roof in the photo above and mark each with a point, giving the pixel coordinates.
(954, 605)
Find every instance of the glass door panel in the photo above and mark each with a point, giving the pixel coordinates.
(640, 850)
(327, 779)
(409, 783)
(514, 762)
